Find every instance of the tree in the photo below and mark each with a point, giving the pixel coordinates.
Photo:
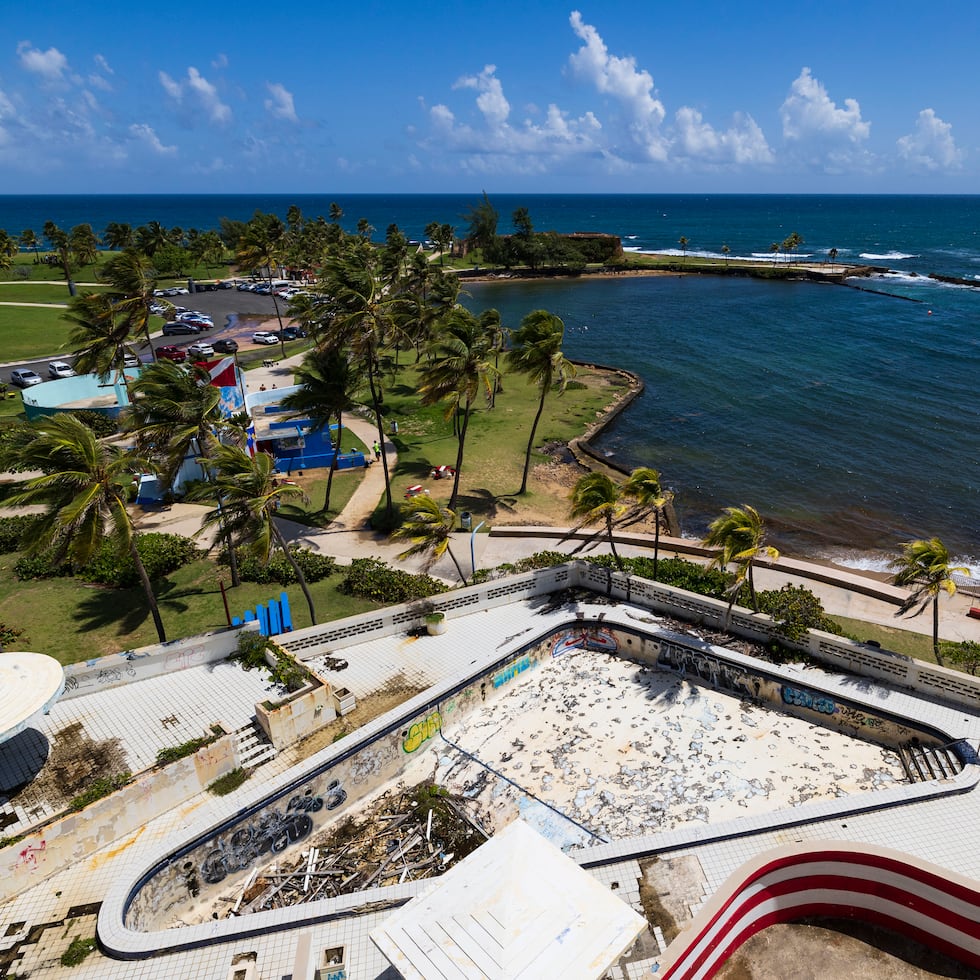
(358, 318)
(832, 254)
(82, 489)
(726, 251)
(481, 220)
(457, 368)
(774, 248)
(682, 241)
(262, 246)
(597, 499)
(328, 384)
(28, 239)
(740, 536)
(84, 244)
(118, 236)
(536, 352)
(336, 213)
(149, 237)
(8, 250)
(175, 412)
(644, 487)
(100, 335)
(250, 494)
(61, 245)
(429, 526)
(522, 223)
(924, 567)
(132, 280)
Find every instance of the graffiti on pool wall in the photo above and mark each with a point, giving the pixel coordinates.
(270, 833)
(717, 672)
(512, 670)
(421, 731)
(804, 700)
(600, 640)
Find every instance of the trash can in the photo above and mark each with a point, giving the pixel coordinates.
(394, 428)
(466, 521)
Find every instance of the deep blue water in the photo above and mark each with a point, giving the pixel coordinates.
(850, 420)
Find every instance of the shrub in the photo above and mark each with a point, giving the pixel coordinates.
(371, 578)
(8, 634)
(42, 565)
(314, 567)
(13, 531)
(77, 951)
(161, 554)
(795, 611)
(229, 782)
(174, 752)
(101, 787)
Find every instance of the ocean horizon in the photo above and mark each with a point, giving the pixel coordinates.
(848, 417)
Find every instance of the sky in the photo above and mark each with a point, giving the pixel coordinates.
(508, 97)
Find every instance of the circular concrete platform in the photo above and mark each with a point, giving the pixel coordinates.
(29, 684)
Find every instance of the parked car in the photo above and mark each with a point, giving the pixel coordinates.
(264, 337)
(179, 327)
(172, 353)
(25, 378)
(200, 350)
(131, 360)
(226, 284)
(60, 369)
(293, 333)
(225, 346)
(203, 322)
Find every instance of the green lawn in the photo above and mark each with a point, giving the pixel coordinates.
(73, 621)
(917, 645)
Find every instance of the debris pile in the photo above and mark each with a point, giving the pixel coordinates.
(408, 834)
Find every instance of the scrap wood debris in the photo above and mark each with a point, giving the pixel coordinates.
(407, 835)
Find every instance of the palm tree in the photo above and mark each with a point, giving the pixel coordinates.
(150, 237)
(740, 535)
(832, 254)
(597, 499)
(83, 489)
(118, 235)
(924, 567)
(84, 244)
(358, 318)
(497, 335)
(644, 487)
(28, 239)
(61, 245)
(174, 412)
(682, 241)
(429, 526)
(132, 280)
(458, 366)
(537, 352)
(726, 251)
(328, 383)
(100, 336)
(8, 250)
(250, 494)
(261, 246)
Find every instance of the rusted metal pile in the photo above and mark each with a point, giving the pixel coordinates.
(407, 835)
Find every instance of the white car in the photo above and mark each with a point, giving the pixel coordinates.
(60, 369)
(264, 337)
(200, 350)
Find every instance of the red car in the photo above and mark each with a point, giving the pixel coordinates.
(172, 353)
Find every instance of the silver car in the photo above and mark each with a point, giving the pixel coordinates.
(25, 378)
(60, 369)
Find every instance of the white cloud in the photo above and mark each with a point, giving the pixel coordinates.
(103, 64)
(743, 143)
(622, 80)
(930, 146)
(147, 135)
(196, 92)
(491, 100)
(50, 64)
(281, 104)
(220, 62)
(808, 110)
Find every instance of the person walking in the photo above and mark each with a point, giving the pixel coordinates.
(377, 450)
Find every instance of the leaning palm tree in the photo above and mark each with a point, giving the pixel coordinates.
(263, 245)
(329, 382)
(132, 280)
(537, 352)
(250, 494)
(429, 526)
(924, 567)
(597, 499)
(644, 488)
(82, 489)
(100, 335)
(175, 413)
(740, 536)
(457, 369)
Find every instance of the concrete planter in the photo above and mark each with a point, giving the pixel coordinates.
(435, 623)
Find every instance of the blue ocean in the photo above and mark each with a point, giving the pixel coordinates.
(850, 418)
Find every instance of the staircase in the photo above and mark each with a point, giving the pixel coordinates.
(253, 747)
(924, 762)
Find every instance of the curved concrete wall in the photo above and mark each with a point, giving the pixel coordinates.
(932, 905)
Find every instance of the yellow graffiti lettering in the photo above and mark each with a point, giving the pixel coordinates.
(422, 731)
